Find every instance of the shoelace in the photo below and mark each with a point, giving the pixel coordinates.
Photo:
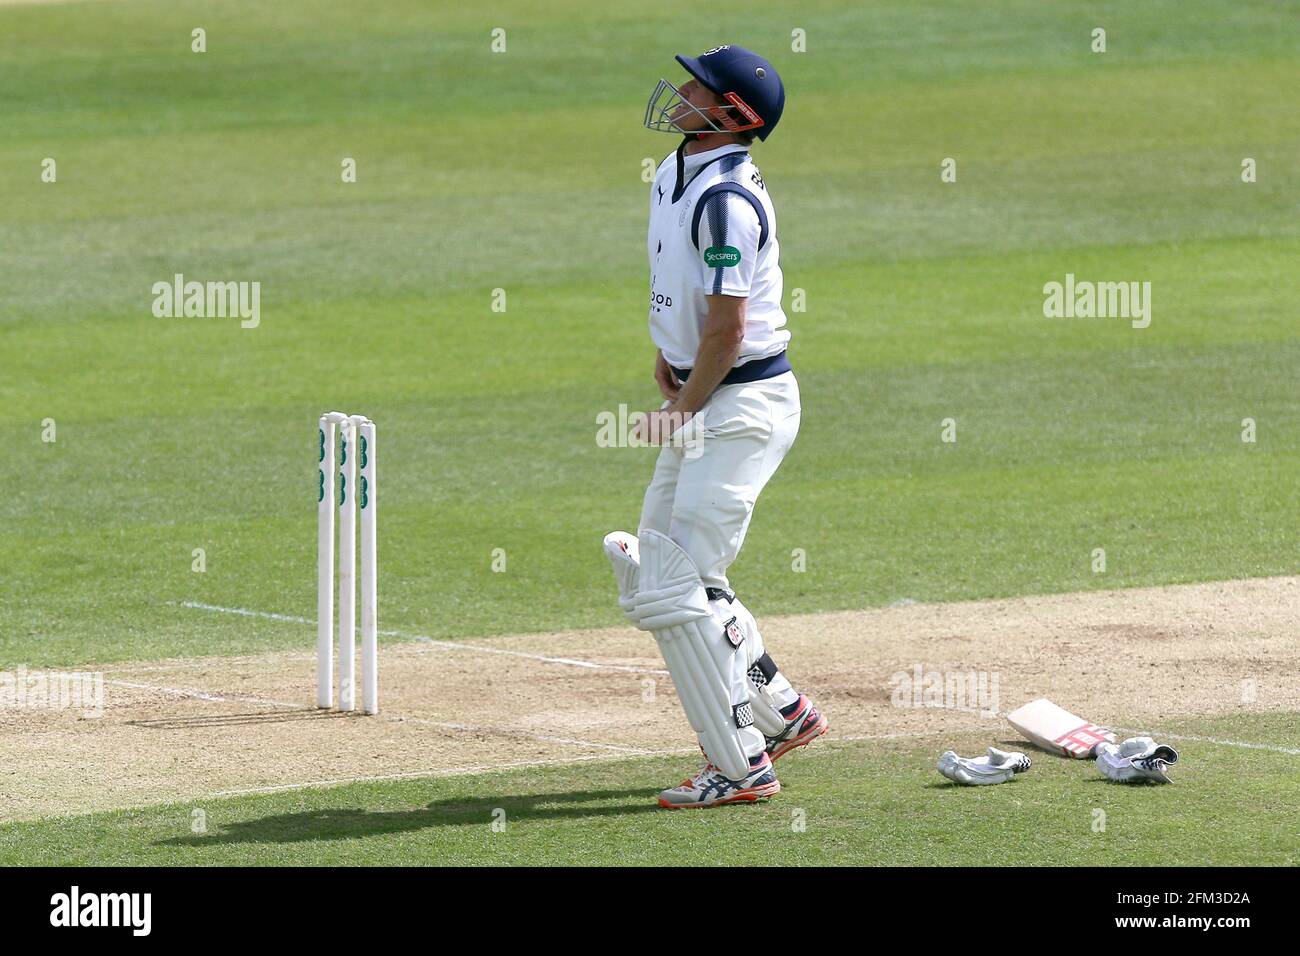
(703, 776)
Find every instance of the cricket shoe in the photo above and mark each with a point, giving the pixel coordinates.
(709, 788)
(801, 729)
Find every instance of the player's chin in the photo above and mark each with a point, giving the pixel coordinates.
(687, 121)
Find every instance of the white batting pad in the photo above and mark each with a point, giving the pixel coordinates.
(623, 552)
(708, 670)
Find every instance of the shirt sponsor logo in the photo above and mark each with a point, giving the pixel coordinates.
(721, 257)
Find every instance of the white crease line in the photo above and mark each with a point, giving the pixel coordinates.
(247, 613)
(437, 644)
(432, 641)
(1160, 735)
(1276, 748)
(449, 772)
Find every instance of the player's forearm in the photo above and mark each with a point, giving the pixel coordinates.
(720, 342)
(716, 356)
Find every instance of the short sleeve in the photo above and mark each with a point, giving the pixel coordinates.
(728, 244)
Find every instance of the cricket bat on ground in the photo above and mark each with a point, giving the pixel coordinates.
(1056, 729)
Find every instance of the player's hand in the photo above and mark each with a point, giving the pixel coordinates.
(657, 427)
(669, 387)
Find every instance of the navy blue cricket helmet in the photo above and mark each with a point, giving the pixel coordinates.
(750, 85)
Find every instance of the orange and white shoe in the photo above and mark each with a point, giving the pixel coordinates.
(801, 729)
(709, 788)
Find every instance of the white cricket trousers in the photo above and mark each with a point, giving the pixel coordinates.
(702, 495)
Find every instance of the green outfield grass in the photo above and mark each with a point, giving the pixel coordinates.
(521, 171)
(861, 802)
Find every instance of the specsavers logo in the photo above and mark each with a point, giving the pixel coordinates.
(721, 257)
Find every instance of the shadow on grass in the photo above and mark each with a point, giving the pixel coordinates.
(349, 823)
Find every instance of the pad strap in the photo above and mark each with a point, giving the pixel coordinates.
(763, 671)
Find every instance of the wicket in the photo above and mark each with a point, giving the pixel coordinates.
(356, 449)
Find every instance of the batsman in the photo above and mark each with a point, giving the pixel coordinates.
(730, 414)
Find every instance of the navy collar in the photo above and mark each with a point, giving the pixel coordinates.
(693, 163)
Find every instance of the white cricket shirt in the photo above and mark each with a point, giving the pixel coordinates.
(713, 234)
